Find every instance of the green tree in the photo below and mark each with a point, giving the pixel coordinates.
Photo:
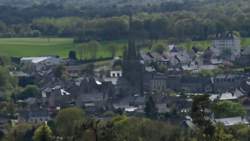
(159, 48)
(72, 55)
(5, 60)
(112, 49)
(151, 110)
(8, 84)
(200, 113)
(59, 71)
(93, 47)
(29, 91)
(43, 133)
(221, 135)
(67, 120)
(224, 109)
(81, 50)
(20, 132)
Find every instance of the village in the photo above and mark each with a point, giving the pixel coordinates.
(123, 85)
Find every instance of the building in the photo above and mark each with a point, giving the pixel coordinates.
(132, 65)
(232, 121)
(226, 46)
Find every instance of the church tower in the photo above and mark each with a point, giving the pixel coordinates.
(133, 67)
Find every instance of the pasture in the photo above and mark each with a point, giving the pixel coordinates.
(19, 47)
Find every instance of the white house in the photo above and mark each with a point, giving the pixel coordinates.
(226, 42)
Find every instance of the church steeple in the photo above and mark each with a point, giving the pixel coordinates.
(131, 49)
(132, 67)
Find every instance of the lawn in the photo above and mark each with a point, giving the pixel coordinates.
(20, 47)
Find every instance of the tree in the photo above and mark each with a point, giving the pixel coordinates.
(72, 55)
(4, 78)
(81, 51)
(8, 83)
(4, 60)
(43, 133)
(29, 91)
(67, 120)
(93, 47)
(221, 135)
(112, 49)
(159, 48)
(224, 109)
(200, 113)
(59, 71)
(1, 135)
(20, 132)
(151, 110)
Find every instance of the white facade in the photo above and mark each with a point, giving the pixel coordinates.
(232, 44)
(116, 73)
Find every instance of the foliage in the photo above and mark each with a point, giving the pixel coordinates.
(20, 132)
(67, 119)
(29, 91)
(93, 48)
(159, 48)
(151, 110)
(200, 113)
(59, 71)
(43, 133)
(228, 109)
(5, 60)
(72, 55)
(7, 83)
(207, 73)
(221, 135)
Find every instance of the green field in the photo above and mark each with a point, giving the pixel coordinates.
(20, 47)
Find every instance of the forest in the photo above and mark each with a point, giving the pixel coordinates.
(182, 20)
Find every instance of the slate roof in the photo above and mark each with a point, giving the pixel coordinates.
(232, 121)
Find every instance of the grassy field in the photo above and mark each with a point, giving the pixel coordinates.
(20, 47)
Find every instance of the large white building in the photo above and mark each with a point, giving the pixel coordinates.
(225, 43)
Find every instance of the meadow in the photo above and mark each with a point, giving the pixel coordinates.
(20, 47)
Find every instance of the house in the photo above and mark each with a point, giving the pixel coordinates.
(34, 116)
(226, 46)
(192, 83)
(4, 122)
(232, 121)
(116, 73)
(130, 104)
(23, 78)
(58, 97)
(227, 96)
(36, 64)
(243, 60)
(74, 70)
(226, 82)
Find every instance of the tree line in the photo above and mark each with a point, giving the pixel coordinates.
(191, 20)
